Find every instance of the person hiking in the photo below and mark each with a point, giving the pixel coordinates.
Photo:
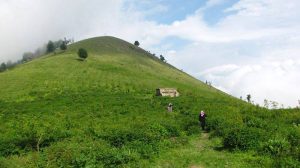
(170, 107)
(202, 117)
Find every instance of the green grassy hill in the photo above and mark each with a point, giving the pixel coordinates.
(58, 111)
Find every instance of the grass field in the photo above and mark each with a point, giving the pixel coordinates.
(59, 111)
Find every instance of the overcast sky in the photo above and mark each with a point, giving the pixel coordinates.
(241, 46)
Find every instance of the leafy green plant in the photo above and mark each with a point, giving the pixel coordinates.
(243, 138)
(82, 53)
(276, 147)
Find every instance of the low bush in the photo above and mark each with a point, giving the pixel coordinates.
(193, 129)
(243, 138)
(252, 121)
(221, 126)
(116, 157)
(87, 154)
(294, 137)
(172, 129)
(287, 162)
(276, 147)
(145, 150)
(82, 53)
(217, 124)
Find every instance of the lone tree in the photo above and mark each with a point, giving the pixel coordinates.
(3, 67)
(63, 45)
(162, 58)
(249, 98)
(137, 43)
(50, 47)
(82, 53)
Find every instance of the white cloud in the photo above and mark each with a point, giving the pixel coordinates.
(254, 50)
(25, 25)
(211, 3)
(275, 81)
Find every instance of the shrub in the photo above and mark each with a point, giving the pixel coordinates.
(3, 67)
(31, 136)
(119, 138)
(294, 140)
(243, 138)
(116, 158)
(63, 46)
(192, 127)
(77, 154)
(82, 53)
(276, 147)
(173, 129)
(294, 137)
(286, 162)
(221, 125)
(8, 146)
(145, 150)
(215, 124)
(152, 134)
(50, 47)
(136, 43)
(249, 98)
(251, 121)
(162, 58)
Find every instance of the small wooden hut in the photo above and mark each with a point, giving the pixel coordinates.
(171, 92)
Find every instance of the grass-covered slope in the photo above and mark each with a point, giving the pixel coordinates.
(58, 111)
(112, 64)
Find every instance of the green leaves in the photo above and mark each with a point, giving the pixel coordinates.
(82, 53)
(276, 147)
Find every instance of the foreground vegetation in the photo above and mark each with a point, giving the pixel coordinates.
(58, 111)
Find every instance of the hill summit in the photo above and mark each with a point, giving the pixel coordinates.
(112, 64)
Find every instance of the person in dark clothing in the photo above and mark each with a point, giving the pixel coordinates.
(202, 117)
